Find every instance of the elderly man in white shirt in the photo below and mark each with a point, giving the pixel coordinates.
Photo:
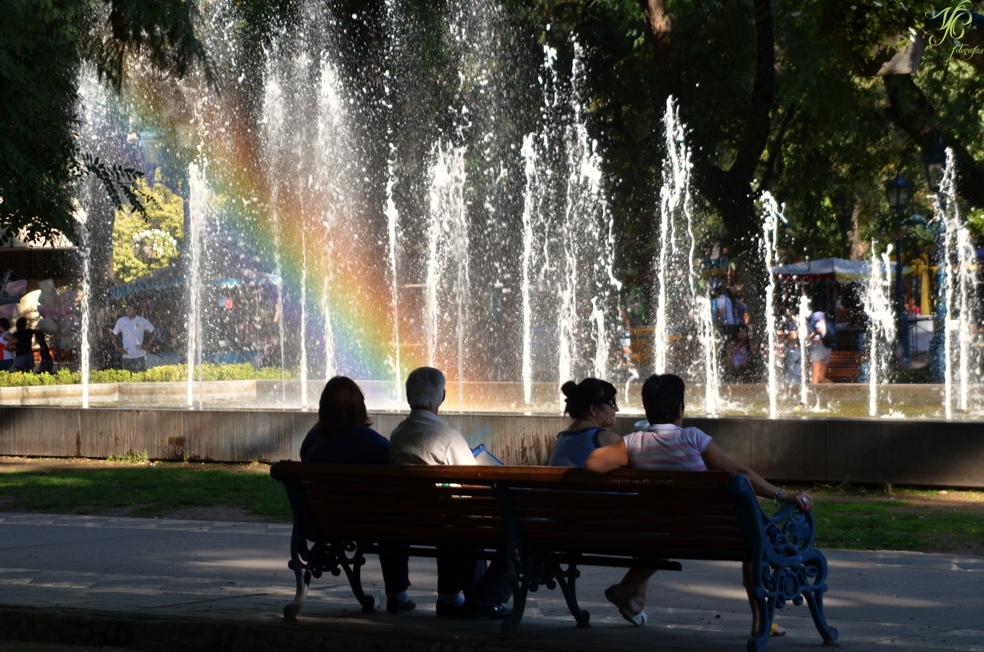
(424, 438)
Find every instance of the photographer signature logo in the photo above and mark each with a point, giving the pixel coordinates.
(954, 22)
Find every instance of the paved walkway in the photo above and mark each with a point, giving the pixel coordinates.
(234, 578)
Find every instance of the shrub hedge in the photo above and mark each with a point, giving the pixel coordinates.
(164, 374)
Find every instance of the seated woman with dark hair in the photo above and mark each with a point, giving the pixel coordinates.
(343, 436)
(592, 404)
(667, 446)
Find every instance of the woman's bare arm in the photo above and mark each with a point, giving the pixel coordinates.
(717, 460)
(608, 437)
(608, 458)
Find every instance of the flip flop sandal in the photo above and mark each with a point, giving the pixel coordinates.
(776, 631)
(637, 619)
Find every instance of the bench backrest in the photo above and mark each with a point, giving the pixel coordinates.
(681, 515)
(415, 505)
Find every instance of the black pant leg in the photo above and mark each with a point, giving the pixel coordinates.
(493, 587)
(456, 571)
(394, 559)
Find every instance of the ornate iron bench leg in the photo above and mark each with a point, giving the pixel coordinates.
(520, 582)
(352, 565)
(817, 570)
(303, 582)
(567, 579)
(298, 553)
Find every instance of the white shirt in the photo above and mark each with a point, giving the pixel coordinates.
(133, 335)
(423, 438)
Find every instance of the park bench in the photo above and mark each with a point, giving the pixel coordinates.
(844, 366)
(549, 521)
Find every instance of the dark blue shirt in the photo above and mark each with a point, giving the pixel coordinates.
(360, 445)
(573, 448)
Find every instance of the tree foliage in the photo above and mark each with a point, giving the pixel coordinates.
(43, 44)
(143, 243)
(162, 31)
(774, 99)
(771, 92)
(38, 157)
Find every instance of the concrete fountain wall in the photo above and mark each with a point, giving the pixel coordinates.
(902, 452)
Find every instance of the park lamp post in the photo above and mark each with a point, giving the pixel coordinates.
(935, 164)
(899, 192)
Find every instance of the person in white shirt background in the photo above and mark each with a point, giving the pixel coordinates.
(134, 329)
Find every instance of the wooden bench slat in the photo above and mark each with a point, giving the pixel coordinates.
(627, 528)
(544, 476)
(624, 505)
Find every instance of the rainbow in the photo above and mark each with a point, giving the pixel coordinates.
(346, 269)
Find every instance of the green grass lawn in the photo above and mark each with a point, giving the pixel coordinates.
(886, 518)
(150, 489)
(898, 525)
(856, 518)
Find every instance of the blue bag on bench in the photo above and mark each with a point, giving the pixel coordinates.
(484, 457)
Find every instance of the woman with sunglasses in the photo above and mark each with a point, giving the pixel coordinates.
(592, 405)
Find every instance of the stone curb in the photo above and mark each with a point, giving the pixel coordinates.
(155, 634)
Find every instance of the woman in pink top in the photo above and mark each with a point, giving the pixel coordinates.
(667, 445)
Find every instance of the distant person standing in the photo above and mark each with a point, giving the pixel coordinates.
(820, 329)
(794, 357)
(724, 311)
(47, 365)
(7, 345)
(24, 350)
(133, 328)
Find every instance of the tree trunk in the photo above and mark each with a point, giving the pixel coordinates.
(730, 191)
(859, 249)
(661, 28)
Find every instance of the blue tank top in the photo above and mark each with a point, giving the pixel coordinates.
(573, 448)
